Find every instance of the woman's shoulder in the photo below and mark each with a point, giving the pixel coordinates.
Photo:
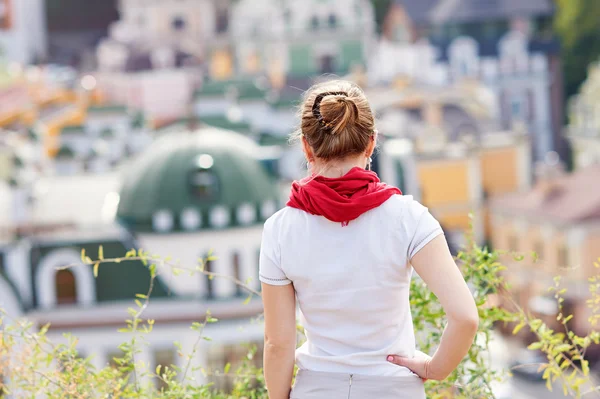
(403, 205)
(281, 216)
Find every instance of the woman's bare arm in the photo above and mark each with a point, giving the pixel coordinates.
(280, 338)
(437, 268)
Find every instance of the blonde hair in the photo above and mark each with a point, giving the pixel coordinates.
(336, 120)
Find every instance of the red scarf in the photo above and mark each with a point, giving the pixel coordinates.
(340, 199)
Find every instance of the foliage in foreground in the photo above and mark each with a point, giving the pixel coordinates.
(37, 367)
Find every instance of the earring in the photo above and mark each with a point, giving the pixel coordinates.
(369, 163)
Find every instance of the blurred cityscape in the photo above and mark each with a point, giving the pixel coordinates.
(164, 124)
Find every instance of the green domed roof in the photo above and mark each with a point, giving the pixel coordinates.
(209, 178)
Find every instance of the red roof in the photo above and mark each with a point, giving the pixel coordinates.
(571, 198)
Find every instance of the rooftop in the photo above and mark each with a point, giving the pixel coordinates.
(568, 199)
(445, 11)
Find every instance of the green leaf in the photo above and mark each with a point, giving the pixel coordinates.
(248, 299)
(227, 367)
(535, 346)
(83, 255)
(100, 253)
(518, 328)
(562, 347)
(96, 266)
(549, 385)
(585, 367)
(141, 296)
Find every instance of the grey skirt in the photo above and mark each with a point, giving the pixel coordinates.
(320, 385)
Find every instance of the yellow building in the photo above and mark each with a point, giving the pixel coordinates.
(559, 220)
(444, 147)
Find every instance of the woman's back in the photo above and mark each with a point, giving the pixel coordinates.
(342, 250)
(351, 281)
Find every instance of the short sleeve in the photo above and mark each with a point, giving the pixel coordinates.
(270, 271)
(426, 228)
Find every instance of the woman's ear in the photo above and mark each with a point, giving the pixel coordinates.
(308, 152)
(371, 148)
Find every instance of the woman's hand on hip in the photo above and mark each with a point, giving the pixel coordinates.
(420, 364)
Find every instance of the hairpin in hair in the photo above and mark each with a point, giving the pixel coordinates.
(316, 108)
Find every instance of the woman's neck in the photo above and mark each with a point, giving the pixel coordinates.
(334, 169)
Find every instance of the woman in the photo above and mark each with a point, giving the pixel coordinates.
(345, 247)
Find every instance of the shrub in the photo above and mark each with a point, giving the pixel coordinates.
(35, 367)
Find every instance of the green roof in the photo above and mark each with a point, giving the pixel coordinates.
(138, 120)
(65, 152)
(73, 129)
(221, 121)
(107, 133)
(18, 162)
(245, 89)
(268, 139)
(31, 133)
(286, 102)
(107, 109)
(160, 180)
(179, 124)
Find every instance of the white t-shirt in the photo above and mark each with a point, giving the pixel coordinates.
(352, 282)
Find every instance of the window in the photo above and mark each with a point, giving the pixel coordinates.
(517, 108)
(237, 274)
(314, 22)
(204, 184)
(208, 267)
(5, 14)
(163, 358)
(66, 292)
(513, 243)
(178, 23)
(327, 64)
(219, 355)
(538, 247)
(222, 21)
(530, 105)
(333, 23)
(563, 257)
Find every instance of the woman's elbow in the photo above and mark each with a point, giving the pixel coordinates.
(470, 322)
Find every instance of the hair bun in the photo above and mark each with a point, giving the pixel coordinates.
(338, 112)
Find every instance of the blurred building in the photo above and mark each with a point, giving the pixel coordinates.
(507, 45)
(159, 52)
(584, 122)
(291, 40)
(559, 220)
(191, 193)
(23, 36)
(446, 148)
(74, 28)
